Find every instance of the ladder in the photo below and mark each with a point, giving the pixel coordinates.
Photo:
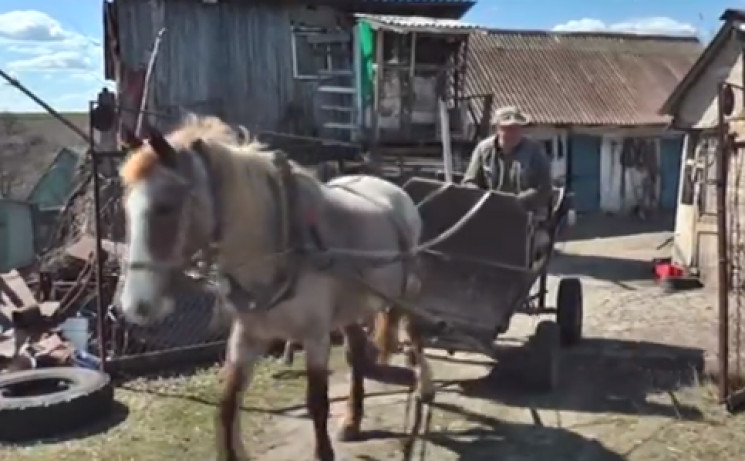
(336, 100)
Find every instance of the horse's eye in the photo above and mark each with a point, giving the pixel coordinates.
(163, 210)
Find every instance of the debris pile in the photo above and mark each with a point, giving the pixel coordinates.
(36, 302)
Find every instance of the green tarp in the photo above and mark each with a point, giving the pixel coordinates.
(367, 51)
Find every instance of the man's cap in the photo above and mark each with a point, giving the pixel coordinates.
(510, 115)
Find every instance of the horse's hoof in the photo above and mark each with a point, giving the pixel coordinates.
(427, 397)
(348, 433)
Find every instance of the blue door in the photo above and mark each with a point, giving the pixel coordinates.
(671, 150)
(585, 171)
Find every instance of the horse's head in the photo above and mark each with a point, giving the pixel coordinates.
(170, 216)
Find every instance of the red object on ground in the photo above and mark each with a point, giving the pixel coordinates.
(665, 270)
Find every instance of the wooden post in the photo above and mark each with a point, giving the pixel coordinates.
(485, 122)
(447, 154)
(408, 96)
(379, 68)
(375, 157)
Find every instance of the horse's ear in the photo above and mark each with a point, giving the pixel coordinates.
(244, 136)
(129, 139)
(198, 146)
(163, 149)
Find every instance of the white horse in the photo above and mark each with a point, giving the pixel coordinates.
(298, 259)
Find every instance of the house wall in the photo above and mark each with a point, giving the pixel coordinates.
(653, 184)
(580, 157)
(695, 243)
(16, 235)
(56, 183)
(695, 235)
(233, 59)
(698, 109)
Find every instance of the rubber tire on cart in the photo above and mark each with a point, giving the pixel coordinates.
(87, 398)
(544, 348)
(570, 310)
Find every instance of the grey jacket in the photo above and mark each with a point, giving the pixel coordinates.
(525, 172)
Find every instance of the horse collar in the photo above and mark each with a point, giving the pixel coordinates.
(288, 242)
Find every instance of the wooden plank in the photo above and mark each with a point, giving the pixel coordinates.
(337, 108)
(336, 89)
(339, 126)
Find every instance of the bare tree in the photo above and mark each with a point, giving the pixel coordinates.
(12, 149)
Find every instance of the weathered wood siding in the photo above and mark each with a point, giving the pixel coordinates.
(233, 59)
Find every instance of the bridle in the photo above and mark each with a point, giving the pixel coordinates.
(290, 238)
(176, 262)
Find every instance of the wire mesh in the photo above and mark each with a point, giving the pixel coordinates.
(736, 253)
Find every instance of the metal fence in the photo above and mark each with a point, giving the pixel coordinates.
(731, 248)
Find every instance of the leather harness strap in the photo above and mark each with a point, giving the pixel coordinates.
(288, 231)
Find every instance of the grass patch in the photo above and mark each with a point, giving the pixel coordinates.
(170, 419)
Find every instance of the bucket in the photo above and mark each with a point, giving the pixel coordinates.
(75, 330)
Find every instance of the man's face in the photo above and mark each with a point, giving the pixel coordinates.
(509, 135)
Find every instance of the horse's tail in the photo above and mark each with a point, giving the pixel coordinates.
(387, 322)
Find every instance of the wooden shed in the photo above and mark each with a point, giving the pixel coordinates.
(289, 66)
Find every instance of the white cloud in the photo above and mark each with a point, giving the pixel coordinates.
(652, 25)
(61, 65)
(62, 60)
(31, 25)
(49, 45)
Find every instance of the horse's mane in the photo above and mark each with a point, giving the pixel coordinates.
(243, 166)
(143, 160)
(211, 129)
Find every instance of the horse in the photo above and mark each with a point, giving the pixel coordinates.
(297, 259)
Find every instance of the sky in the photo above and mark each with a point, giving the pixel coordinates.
(54, 46)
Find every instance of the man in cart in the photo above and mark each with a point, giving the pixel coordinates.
(510, 162)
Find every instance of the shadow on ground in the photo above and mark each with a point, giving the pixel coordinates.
(600, 267)
(593, 226)
(495, 439)
(598, 376)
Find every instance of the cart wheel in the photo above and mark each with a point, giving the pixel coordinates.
(569, 311)
(545, 348)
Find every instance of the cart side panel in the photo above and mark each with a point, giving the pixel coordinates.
(470, 298)
(477, 277)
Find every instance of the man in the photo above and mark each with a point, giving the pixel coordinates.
(512, 163)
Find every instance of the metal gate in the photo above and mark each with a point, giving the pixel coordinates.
(730, 245)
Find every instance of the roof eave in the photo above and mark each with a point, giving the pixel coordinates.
(732, 14)
(673, 100)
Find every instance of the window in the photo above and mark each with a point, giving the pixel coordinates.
(319, 52)
(548, 147)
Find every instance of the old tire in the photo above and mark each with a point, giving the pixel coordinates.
(47, 402)
(569, 311)
(545, 352)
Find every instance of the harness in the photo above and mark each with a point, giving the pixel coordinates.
(291, 238)
(290, 242)
(298, 243)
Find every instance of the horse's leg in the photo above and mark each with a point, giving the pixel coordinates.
(288, 355)
(416, 359)
(355, 345)
(317, 353)
(242, 355)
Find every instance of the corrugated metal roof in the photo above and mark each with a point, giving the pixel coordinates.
(561, 78)
(417, 23)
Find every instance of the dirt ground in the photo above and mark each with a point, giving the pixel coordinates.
(631, 391)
